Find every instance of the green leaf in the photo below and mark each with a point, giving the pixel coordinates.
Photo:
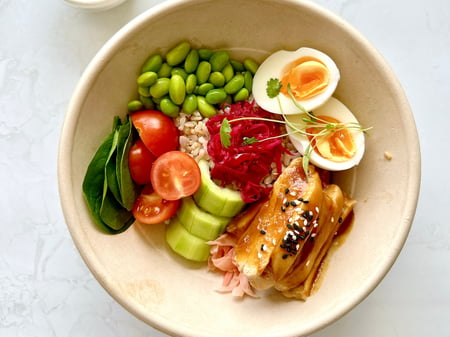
(103, 191)
(225, 129)
(273, 87)
(249, 140)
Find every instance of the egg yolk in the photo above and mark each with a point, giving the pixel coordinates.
(307, 77)
(336, 144)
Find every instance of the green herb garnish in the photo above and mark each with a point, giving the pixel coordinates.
(273, 87)
(225, 130)
(323, 127)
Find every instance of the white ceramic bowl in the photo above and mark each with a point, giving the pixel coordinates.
(95, 5)
(136, 267)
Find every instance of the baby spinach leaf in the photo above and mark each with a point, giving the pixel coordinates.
(127, 188)
(109, 197)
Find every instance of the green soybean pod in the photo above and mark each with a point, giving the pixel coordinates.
(219, 59)
(148, 102)
(191, 83)
(217, 79)
(251, 65)
(203, 71)
(237, 66)
(191, 62)
(203, 88)
(177, 89)
(153, 63)
(135, 105)
(228, 72)
(147, 79)
(169, 108)
(241, 95)
(179, 71)
(178, 53)
(248, 81)
(165, 70)
(207, 110)
(190, 104)
(235, 84)
(216, 96)
(160, 88)
(204, 54)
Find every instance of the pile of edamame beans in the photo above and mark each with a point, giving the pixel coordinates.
(189, 79)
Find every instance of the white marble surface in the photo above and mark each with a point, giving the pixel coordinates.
(45, 288)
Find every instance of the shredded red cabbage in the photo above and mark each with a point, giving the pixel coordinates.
(242, 165)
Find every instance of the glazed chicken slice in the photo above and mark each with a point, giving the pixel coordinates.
(282, 241)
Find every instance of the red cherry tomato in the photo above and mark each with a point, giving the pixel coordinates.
(140, 161)
(157, 131)
(175, 175)
(149, 208)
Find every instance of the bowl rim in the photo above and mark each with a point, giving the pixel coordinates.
(66, 141)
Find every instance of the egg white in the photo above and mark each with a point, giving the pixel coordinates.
(273, 66)
(336, 109)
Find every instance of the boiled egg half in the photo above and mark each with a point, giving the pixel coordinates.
(335, 136)
(311, 74)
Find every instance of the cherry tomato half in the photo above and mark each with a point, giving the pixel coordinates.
(157, 131)
(140, 161)
(149, 208)
(175, 175)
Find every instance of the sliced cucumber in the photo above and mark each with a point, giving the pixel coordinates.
(199, 222)
(215, 199)
(186, 244)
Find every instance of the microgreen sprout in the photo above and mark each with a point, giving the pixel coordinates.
(321, 126)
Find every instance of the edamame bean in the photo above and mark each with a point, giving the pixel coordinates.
(143, 91)
(148, 102)
(153, 63)
(169, 108)
(206, 109)
(165, 70)
(191, 62)
(135, 105)
(217, 79)
(147, 79)
(179, 71)
(219, 59)
(248, 81)
(216, 96)
(202, 89)
(237, 66)
(160, 88)
(177, 89)
(190, 104)
(191, 83)
(251, 65)
(235, 84)
(241, 95)
(204, 54)
(203, 71)
(228, 72)
(178, 53)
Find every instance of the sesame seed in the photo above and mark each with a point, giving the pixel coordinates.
(262, 231)
(332, 219)
(317, 209)
(263, 247)
(286, 191)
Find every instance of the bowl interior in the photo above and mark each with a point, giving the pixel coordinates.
(178, 297)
